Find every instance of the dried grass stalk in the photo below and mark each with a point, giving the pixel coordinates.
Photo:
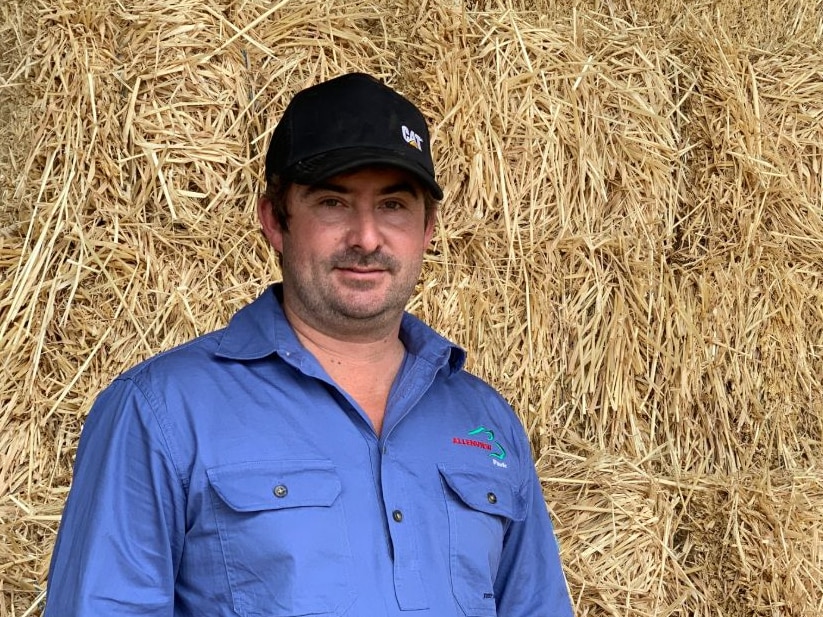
(631, 249)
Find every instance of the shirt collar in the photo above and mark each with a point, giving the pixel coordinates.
(261, 329)
(258, 330)
(421, 341)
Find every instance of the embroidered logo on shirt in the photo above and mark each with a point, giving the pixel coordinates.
(490, 444)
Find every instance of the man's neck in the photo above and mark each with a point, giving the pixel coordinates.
(351, 354)
(364, 367)
(371, 346)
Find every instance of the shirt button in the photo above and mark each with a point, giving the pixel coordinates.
(397, 515)
(280, 490)
(492, 498)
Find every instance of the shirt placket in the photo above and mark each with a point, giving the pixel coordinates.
(399, 498)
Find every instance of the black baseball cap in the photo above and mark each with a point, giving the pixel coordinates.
(349, 122)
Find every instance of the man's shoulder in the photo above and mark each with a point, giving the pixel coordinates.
(246, 336)
(477, 384)
(192, 355)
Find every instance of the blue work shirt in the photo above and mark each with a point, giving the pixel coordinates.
(231, 476)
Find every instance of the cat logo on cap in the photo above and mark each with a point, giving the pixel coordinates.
(412, 138)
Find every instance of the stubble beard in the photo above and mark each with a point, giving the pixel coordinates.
(346, 309)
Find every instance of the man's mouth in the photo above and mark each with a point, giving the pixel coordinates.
(362, 269)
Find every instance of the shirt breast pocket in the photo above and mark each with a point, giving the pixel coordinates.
(282, 532)
(480, 506)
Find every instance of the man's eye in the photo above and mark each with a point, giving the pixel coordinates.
(331, 203)
(393, 205)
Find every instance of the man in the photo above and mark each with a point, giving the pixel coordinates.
(324, 454)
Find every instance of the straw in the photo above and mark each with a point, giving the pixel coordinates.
(630, 248)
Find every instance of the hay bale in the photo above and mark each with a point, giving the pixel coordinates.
(630, 248)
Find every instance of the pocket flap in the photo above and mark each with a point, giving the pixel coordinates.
(274, 485)
(485, 492)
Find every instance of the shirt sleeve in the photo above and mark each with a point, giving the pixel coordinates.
(121, 534)
(530, 580)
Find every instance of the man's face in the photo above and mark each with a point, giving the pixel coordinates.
(353, 250)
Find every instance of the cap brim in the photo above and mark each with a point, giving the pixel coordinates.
(329, 164)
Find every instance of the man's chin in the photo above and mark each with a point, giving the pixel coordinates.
(367, 304)
(362, 310)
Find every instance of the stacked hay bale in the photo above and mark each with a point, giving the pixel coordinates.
(630, 248)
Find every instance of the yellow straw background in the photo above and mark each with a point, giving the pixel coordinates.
(630, 248)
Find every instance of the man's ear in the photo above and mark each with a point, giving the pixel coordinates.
(428, 232)
(269, 223)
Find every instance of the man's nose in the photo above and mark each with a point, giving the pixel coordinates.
(364, 230)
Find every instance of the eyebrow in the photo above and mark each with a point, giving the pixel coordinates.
(400, 187)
